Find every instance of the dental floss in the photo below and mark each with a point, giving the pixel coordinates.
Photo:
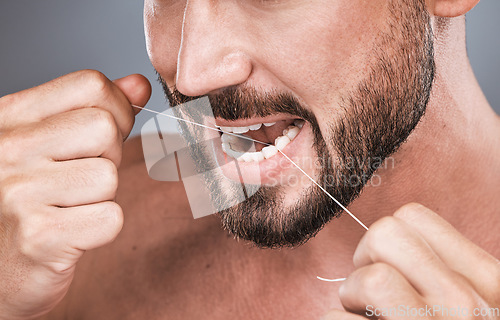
(264, 143)
(201, 125)
(331, 280)
(322, 189)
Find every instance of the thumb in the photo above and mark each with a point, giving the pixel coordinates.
(136, 88)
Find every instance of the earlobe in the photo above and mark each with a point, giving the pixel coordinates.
(451, 8)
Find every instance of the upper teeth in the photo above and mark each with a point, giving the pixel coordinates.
(231, 142)
(253, 127)
(240, 129)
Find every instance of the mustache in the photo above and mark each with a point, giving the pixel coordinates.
(244, 102)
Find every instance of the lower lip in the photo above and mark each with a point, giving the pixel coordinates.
(268, 172)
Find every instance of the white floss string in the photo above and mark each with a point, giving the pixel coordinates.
(331, 280)
(201, 125)
(323, 189)
(264, 143)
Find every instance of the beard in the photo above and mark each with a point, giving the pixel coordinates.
(376, 118)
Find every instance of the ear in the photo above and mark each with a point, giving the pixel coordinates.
(450, 8)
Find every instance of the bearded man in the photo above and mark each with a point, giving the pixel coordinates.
(376, 101)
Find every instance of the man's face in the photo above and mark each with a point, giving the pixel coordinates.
(358, 72)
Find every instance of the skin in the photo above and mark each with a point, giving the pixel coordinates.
(188, 268)
(253, 55)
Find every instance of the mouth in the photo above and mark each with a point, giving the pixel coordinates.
(263, 162)
(256, 140)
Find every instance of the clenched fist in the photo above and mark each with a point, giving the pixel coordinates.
(60, 146)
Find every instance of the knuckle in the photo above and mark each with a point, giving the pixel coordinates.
(5, 145)
(375, 277)
(8, 100)
(12, 194)
(96, 172)
(409, 211)
(104, 122)
(27, 248)
(113, 214)
(108, 174)
(379, 232)
(30, 236)
(8, 105)
(95, 81)
(14, 147)
(8, 151)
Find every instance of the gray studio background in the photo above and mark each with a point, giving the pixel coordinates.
(41, 40)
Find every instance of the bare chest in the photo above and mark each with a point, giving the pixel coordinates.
(203, 288)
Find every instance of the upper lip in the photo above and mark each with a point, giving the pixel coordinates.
(254, 120)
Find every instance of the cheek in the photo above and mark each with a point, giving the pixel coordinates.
(329, 52)
(333, 55)
(163, 31)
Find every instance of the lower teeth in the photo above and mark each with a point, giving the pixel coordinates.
(230, 142)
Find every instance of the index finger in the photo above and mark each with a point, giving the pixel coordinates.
(86, 88)
(456, 251)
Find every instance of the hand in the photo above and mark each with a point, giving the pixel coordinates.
(60, 146)
(420, 267)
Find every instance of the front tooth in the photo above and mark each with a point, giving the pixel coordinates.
(227, 129)
(250, 157)
(255, 126)
(257, 156)
(292, 132)
(240, 129)
(299, 123)
(247, 157)
(281, 142)
(269, 124)
(269, 151)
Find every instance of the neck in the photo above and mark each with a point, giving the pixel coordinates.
(449, 163)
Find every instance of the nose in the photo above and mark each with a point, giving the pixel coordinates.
(211, 54)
